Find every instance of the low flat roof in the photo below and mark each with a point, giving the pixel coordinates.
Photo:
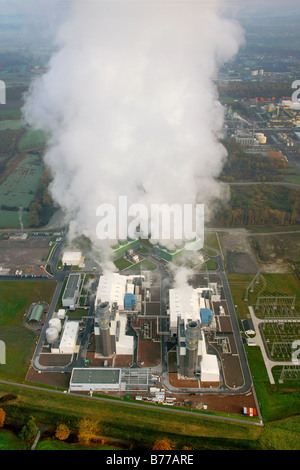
(72, 286)
(96, 376)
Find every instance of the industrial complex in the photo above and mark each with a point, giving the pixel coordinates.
(139, 336)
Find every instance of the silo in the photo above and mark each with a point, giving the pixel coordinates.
(51, 334)
(56, 323)
(191, 342)
(262, 139)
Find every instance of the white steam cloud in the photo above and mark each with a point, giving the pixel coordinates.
(130, 106)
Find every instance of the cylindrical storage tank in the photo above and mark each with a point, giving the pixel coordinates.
(56, 323)
(262, 139)
(51, 334)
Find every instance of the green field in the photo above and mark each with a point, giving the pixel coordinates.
(32, 138)
(269, 285)
(11, 124)
(9, 441)
(122, 263)
(11, 219)
(275, 402)
(54, 444)
(15, 298)
(18, 190)
(141, 426)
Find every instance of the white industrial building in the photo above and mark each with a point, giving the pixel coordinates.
(209, 366)
(73, 258)
(112, 289)
(185, 303)
(187, 309)
(69, 337)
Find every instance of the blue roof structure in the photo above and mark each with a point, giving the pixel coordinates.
(130, 301)
(206, 316)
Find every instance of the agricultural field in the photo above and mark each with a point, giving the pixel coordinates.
(15, 298)
(18, 190)
(32, 138)
(11, 124)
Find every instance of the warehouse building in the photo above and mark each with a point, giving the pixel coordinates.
(69, 337)
(71, 291)
(98, 379)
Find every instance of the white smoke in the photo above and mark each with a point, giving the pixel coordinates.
(131, 107)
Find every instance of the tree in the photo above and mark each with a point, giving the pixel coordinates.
(88, 430)
(162, 445)
(29, 430)
(2, 417)
(62, 432)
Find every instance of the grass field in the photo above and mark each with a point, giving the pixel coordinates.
(32, 138)
(15, 298)
(122, 263)
(19, 187)
(269, 285)
(11, 124)
(211, 240)
(275, 402)
(54, 444)
(141, 426)
(9, 441)
(11, 219)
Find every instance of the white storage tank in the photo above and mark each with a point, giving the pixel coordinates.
(56, 323)
(51, 334)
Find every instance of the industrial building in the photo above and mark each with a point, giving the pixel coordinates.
(190, 318)
(71, 291)
(109, 379)
(69, 338)
(36, 313)
(62, 340)
(115, 298)
(73, 258)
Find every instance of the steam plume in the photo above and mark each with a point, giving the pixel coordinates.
(130, 106)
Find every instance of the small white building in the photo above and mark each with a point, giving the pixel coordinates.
(69, 337)
(73, 258)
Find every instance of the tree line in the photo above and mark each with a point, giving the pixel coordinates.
(87, 431)
(242, 166)
(260, 205)
(42, 207)
(256, 89)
